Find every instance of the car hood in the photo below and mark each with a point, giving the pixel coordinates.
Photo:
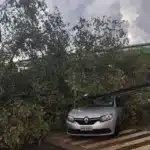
(91, 112)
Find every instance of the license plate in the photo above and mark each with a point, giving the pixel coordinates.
(86, 128)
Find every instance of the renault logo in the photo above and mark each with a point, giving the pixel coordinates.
(86, 119)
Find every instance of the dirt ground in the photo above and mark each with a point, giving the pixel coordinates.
(43, 147)
(49, 146)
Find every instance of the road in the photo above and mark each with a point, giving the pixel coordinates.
(131, 139)
(43, 147)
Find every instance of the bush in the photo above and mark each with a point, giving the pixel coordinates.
(20, 124)
(133, 110)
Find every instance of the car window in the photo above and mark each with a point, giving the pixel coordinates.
(104, 102)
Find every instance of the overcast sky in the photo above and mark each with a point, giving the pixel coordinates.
(136, 12)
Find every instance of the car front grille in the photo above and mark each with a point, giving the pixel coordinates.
(91, 121)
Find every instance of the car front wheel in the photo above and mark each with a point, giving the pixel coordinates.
(117, 129)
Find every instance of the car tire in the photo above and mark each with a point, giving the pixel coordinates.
(117, 129)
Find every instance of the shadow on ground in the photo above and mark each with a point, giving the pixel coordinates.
(94, 138)
(42, 147)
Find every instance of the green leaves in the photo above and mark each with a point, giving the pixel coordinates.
(64, 64)
(96, 46)
(21, 123)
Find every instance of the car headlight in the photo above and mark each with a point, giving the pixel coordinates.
(106, 117)
(70, 118)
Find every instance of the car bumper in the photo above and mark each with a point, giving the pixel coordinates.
(98, 129)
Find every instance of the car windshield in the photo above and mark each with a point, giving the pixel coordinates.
(103, 102)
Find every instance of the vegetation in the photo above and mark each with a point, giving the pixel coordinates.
(64, 64)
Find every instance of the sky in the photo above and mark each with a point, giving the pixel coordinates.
(135, 12)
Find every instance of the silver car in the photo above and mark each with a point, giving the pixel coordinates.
(102, 117)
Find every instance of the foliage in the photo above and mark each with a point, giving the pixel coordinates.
(96, 43)
(21, 123)
(62, 66)
(133, 110)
